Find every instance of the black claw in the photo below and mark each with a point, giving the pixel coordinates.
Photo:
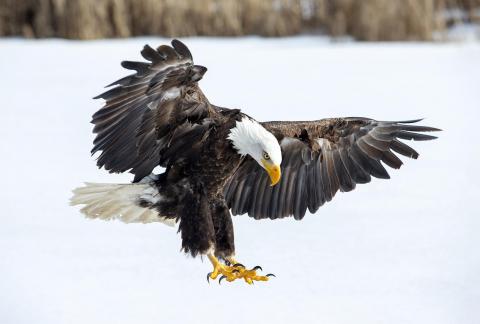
(238, 265)
(256, 268)
(271, 275)
(220, 280)
(208, 277)
(228, 263)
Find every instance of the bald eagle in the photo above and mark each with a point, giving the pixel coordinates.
(220, 161)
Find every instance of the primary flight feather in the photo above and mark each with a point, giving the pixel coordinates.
(220, 161)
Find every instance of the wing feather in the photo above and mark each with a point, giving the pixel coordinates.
(319, 159)
(150, 116)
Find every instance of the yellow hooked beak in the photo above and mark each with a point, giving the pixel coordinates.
(273, 171)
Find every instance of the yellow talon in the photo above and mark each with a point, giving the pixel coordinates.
(220, 268)
(234, 271)
(251, 275)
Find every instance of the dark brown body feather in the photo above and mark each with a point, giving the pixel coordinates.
(193, 190)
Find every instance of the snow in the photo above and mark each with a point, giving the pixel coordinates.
(398, 251)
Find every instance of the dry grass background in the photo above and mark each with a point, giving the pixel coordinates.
(370, 20)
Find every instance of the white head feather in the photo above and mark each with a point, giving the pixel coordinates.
(249, 137)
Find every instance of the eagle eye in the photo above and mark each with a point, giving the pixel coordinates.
(266, 156)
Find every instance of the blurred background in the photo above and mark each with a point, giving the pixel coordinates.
(367, 20)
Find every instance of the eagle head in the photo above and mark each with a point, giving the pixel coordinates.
(250, 138)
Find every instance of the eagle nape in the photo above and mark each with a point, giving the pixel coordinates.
(221, 162)
(231, 270)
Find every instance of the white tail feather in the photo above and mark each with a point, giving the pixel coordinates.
(109, 201)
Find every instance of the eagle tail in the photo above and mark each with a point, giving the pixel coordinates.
(130, 203)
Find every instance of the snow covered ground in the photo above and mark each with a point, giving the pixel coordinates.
(399, 251)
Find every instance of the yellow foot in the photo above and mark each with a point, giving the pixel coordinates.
(251, 275)
(233, 270)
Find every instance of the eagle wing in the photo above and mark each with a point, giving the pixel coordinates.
(320, 158)
(152, 116)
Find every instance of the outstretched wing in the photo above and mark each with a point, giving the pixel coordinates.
(151, 117)
(320, 158)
